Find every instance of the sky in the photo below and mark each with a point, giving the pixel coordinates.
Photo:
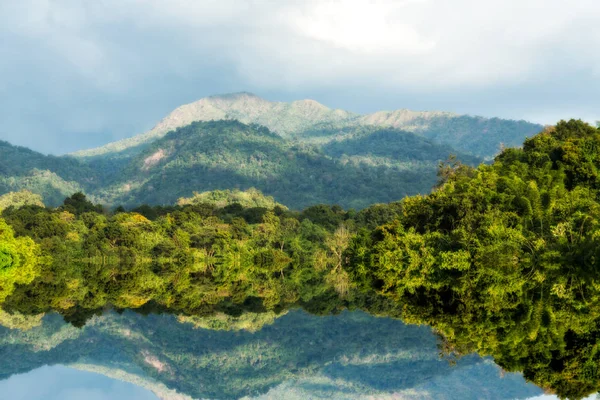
(78, 74)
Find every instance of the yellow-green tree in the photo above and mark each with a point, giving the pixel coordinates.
(18, 260)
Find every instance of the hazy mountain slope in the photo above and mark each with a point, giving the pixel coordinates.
(228, 154)
(393, 144)
(52, 177)
(475, 135)
(307, 118)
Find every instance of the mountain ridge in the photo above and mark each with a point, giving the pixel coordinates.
(354, 172)
(243, 106)
(297, 119)
(302, 153)
(355, 168)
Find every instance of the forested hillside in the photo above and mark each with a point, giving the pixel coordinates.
(356, 168)
(483, 137)
(52, 177)
(354, 172)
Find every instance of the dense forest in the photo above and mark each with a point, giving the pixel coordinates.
(49, 176)
(501, 259)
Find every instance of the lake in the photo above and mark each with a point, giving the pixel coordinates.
(291, 355)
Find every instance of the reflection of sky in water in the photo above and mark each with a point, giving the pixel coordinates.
(62, 383)
(556, 398)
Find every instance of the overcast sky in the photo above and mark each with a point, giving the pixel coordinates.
(77, 74)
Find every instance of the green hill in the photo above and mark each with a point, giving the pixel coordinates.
(221, 198)
(52, 177)
(354, 172)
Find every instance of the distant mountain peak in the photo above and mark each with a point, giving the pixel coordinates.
(300, 118)
(233, 98)
(280, 117)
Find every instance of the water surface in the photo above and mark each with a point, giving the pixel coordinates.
(293, 355)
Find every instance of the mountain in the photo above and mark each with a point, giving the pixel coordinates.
(301, 153)
(287, 119)
(483, 137)
(307, 118)
(361, 168)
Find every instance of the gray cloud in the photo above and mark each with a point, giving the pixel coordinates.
(78, 74)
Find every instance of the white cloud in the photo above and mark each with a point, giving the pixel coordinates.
(362, 27)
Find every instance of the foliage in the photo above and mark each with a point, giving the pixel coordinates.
(18, 260)
(221, 198)
(20, 199)
(504, 259)
(194, 259)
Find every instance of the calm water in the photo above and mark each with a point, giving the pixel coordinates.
(263, 356)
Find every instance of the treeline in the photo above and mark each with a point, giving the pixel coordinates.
(503, 259)
(192, 259)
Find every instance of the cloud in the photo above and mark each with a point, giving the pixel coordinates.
(101, 70)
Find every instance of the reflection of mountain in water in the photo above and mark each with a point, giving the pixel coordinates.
(348, 356)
